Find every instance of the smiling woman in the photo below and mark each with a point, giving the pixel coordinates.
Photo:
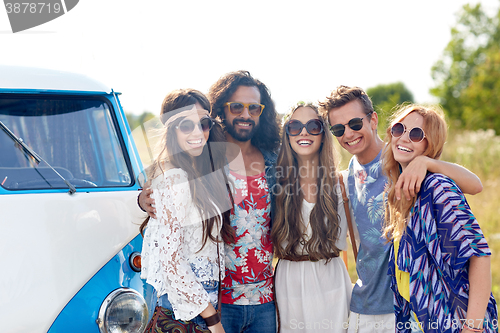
(407, 144)
(193, 131)
(182, 256)
(440, 260)
(309, 229)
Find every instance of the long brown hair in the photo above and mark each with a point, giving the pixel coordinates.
(435, 130)
(324, 219)
(210, 194)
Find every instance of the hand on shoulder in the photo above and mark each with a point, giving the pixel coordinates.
(146, 203)
(144, 200)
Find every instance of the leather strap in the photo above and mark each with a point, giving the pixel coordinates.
(305, 257)
(215, 318)
(219, 302)
(348, 215)
(152, 323)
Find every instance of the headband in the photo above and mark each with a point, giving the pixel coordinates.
(186, 113)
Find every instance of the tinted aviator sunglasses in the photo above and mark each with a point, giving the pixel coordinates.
(237, 108)
(416, 134)
(313, 127)
(186, 126)
(355, 124)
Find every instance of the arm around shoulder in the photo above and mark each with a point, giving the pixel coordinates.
(467, 181)
(410, 180)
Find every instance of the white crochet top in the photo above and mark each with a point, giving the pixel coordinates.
(171, 262)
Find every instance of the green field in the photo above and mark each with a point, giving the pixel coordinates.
(479, 152)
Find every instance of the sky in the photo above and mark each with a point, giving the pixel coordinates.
(300, 49)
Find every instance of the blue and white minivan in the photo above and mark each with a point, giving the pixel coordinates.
(69, 220)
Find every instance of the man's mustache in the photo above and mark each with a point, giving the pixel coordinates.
(248, 121)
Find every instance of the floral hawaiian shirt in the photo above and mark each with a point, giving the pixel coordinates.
(249, 272)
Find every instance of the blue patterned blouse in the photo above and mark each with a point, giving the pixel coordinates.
(441, 236)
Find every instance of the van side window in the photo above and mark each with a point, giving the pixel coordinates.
(76, 136)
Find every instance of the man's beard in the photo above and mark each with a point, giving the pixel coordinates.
(241, 135)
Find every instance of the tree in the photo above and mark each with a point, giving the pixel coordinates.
(482, 96)
(385, 97)
(135, 121)
(466, 75)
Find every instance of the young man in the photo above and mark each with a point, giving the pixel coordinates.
(250, 119)
(354, 122)
(245, 107)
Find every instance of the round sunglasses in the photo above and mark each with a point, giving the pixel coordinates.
(355, 124)
(313, 127)
(186, 126)
(416, 134)
(237, 108)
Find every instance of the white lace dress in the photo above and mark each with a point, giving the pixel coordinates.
(171, 262)
(312, 296)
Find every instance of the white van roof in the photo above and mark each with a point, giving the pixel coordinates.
(31, 78)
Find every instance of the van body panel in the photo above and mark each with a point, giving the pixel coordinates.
(89, 298)
(50, 260)
(64, 254)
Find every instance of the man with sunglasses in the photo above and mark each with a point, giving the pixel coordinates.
(244, 106)
(354, 122)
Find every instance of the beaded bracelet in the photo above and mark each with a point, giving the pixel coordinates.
(213, 319)
(475, 330)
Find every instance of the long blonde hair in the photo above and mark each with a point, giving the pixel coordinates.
(435, 129)
(286, 232)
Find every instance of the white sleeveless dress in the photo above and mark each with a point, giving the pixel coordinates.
(312, 296)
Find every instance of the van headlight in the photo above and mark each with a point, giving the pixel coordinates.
(123, 311)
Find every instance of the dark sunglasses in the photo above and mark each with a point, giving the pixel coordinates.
(313, 127)
(355, 124)
(186, 126)
(416, 134)
(237, 108)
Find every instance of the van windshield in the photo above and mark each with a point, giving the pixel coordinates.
(76, 136)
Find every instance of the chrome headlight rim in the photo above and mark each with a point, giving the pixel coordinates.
(105, 305)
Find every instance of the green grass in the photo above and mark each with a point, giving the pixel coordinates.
(479, 152)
